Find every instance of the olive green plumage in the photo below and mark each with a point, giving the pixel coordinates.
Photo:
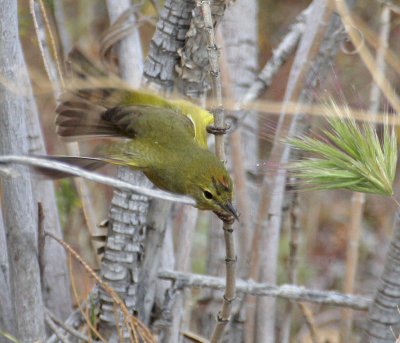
(166, 139)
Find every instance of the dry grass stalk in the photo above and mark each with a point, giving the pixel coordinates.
(57, 80)
(309, 317)
(358, 199)
(366, 56)
(135, 328)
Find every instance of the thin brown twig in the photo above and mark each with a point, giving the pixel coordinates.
(132, 322)
(310, 322)
(119, 29)
(373, 39)
(238, 169)
(219, 128)
(293, 260)
(38, 34)
(55, 75)
(41, 241)
(52, 42)
(76, 296)
(366, 56)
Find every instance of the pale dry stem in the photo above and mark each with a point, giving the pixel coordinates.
(134, 326)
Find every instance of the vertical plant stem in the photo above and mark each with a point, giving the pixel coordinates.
(7, 323)
(353, 242)
(312, 327)
(61, 23)
(219, 124)
(358, 199)
(293, 262)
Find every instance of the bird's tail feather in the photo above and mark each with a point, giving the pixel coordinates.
(90, 93)
(79, 66)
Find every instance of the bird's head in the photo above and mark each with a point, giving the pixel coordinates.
(212, 189)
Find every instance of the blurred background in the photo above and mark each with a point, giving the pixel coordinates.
(324, 216)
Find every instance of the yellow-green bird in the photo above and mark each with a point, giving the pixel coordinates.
(165, 139)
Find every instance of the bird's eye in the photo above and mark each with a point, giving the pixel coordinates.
(207, 195)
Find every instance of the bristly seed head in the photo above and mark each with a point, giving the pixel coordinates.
(350, 155)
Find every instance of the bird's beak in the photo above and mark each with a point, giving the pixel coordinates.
(228, 207)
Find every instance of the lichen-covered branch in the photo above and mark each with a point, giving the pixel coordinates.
(288, 292)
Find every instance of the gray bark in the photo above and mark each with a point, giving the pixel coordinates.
(159, 70)
(384, 319)
(6, 310)
(56, 284)
(19, 210)
(159, 73)
(193, 71)
(123, 251)
(172, 26)
(127, 227)
(154, 243)
(193, 68)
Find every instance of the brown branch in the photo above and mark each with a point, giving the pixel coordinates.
(219, 125)
(41, 241)
(312, 327)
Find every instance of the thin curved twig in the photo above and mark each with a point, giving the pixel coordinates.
(106, 180)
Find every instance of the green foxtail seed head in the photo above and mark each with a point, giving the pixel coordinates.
(351, 155)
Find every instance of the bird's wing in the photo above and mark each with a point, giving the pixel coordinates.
(92, 90)
(200, 117)
(79, 118)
